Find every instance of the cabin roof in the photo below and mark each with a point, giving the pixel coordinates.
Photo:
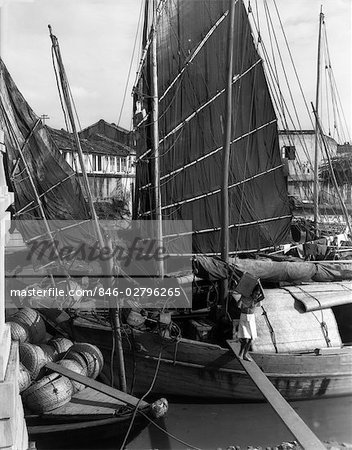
(97, 143)
(102, 122)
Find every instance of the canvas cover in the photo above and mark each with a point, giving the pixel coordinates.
(286, 327)
(191, 57)
(292, 271)
(318, 296)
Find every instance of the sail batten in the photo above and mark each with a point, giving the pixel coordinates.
(195, 53)
(217, 191)
(212, 153)
(191, 131)
(179, 126)
(210, 230)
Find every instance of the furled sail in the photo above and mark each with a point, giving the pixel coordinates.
(45, 186)
(191, 60)
(54, 180)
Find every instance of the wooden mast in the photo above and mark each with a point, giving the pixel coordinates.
(114, 310)
(155, 141)
(226, 153)
(316, 148)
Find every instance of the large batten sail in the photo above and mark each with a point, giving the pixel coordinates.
(191, 46)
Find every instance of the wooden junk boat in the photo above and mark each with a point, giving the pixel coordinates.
(299, 350)
(180, 172)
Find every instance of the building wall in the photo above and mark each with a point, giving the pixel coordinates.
(301, 169)
(106, 188)
(103, 164)
(13, 431)
(109, 176)
(304, 141)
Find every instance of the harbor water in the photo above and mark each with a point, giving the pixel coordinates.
(218, 426)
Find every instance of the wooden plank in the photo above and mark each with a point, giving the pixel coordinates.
(88, 402)
(7, 395)
(62, 427)
(304, 435)
(6, 434)
(111, 392)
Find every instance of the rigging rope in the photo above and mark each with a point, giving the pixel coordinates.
(131, 63)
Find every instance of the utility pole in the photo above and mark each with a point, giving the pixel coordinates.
(44, 117)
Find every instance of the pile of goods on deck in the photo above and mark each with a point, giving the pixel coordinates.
(43, 390)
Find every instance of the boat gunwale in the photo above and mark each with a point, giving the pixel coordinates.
(45, 429)
(243, 372)
(344, 350)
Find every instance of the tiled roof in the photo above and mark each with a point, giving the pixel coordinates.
(97, 144)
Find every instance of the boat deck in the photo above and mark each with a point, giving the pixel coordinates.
(87, 404)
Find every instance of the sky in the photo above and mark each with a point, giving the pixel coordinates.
(97, 38)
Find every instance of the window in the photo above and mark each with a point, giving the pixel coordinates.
(86, 162)
(99, 163)
(290, 152)
(123, 164)
(111, 164)
(94, 161)
(105, 163)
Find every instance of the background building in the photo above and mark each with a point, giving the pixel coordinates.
(298, 148)
(108, 156)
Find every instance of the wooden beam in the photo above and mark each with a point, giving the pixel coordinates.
(304, 435)
(101, 387)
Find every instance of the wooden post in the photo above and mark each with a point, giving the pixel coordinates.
(226, 153)
(6, 198)
(114, 309)
(13, 431)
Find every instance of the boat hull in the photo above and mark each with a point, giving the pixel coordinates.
(88, 419)
(197, 370)
(85, 434)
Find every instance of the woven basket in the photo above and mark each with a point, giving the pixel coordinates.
(19, 332)
(33, 358)
(47, 394)
(78, 358)
(75, 367)
(35, 323)
(50, 352)
(24, 378)
(92, 356)
(61, 345)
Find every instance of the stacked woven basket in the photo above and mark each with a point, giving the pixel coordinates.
(41, 390)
